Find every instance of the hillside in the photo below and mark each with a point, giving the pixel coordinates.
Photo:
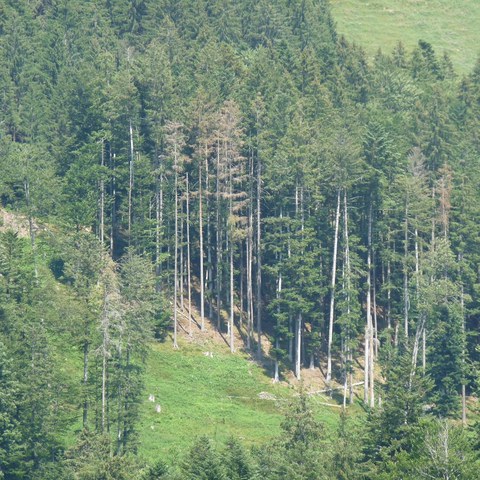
(219, 396)
(202, 389)
(451, 26)
(320, 208)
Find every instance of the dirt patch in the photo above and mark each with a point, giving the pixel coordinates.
(18, 223)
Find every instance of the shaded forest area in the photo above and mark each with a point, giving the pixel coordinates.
(241, 156)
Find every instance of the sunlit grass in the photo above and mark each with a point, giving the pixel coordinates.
(451, 26)
(215, 396)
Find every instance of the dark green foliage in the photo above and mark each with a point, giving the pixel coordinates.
(12, 446)
(393, 428)
(204, 462)
(346, 458)
(92, 459)
(238, 462)
(300, 452)
(156, 472)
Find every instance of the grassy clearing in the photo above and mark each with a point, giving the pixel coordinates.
(215, 396)
(452, 26)
(219, 396)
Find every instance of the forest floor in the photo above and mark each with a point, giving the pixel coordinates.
(14, 221)
(449, 25)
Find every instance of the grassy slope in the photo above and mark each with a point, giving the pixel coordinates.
(218, 397)
(449, 25)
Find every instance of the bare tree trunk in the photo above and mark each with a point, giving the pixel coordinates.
(250, 260)
(417, 293)
(249, 289)
(242, 286)
(86, 348)
(231, 247)
(332, 292)
(389, 296)
(218, 237)
(406, 300)
(232, 304)
(369, 366)
(175, 279)
(279, 293)
(114, 200)
(433, 217)
(209, 282)
(189, 273)
(276, 375)
(104, 389)
(369, 313)
(348, 352)
(464, 390)
(31, 229)
(130, 183)
(105, 346)
(290, 338)
(366, 368)
(259, 259)
(102, 195)
(181, 269)
(200, 233)
(298, 350)
(159, 224)
(418, 335)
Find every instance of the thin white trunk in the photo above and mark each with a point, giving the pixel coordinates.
(389, 296)
(332, 292)
(348, 271)
(406, 300)
(230, 247)
(290, 339)
(189, 273)
(159, 223)
(250, 261)
(374, 305)
(218, 237)
(369, 312)
(86, 350)
(276, 375)
(31, 228)
(241, 296)
(200, 228)
(232, 304)
(105, 348)
(298, 350)
(366, 368)
(259, 260)
(418, 336)
(175, 279)
(181, 269)
(130, 182)
(249, 290)
(279, 293)
(209, 272)
(102, 195)
(433, 217)
(114, 199)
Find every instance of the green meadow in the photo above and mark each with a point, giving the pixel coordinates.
(220, 396)
(451, 26)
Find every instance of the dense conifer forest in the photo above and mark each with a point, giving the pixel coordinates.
(171, 165)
